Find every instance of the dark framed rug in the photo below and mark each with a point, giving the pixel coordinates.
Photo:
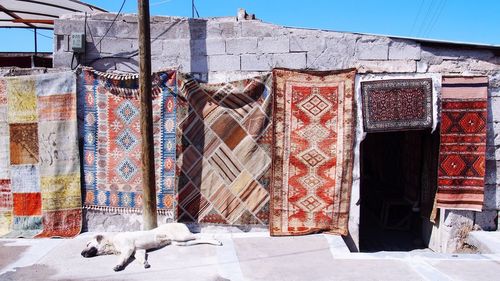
(397, 105)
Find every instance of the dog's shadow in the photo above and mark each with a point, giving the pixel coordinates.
(156, 249)
(130, 260)
(132, 257)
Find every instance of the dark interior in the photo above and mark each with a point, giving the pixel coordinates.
(398, 184)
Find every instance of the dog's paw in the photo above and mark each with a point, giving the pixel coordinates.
(118, 268)
(147, 265)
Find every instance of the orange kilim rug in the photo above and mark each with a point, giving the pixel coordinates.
(313, 130)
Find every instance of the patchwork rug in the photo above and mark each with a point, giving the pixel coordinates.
(39, 159)
(463, 143)
(392, 105)
(223, 146)
(112, 141)
(313, 131)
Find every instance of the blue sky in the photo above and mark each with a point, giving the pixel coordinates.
(475, 21)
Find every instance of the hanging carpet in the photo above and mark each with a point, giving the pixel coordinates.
(39, 160)
(313, 131)
(223, 153)
(396, 105)
(111, 135)
(463, 143)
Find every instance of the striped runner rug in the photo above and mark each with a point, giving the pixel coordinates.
(313, 131)
(463, 143)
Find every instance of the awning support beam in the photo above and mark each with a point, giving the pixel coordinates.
(36, 41)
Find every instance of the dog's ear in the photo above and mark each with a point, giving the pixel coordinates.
(99, 238)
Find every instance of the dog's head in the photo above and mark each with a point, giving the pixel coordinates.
(94, 247)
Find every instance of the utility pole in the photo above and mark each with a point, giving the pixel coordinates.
(148, 170)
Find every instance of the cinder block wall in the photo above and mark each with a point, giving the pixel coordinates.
(222, 49)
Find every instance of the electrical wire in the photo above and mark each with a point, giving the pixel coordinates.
(73, 60)
(193, 9)
(159, 3)
(196, 10)
(87, 26)
(43, 35)
(134, 54)
(417, 16)
(85, 36)
(112, 23)
(433, 22)
(426, 18)
(433, 15)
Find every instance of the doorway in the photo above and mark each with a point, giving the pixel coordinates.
(398, 185)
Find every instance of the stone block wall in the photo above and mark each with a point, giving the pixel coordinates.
(221, 49)
(16, 71)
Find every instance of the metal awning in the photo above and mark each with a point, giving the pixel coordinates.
(39, 14)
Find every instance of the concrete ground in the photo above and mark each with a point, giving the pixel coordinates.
(486, 242)
(244, 256)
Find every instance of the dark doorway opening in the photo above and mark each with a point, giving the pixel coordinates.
(398, 185)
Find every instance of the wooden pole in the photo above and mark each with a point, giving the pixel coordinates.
(148, 169)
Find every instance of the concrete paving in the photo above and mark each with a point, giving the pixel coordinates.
(244, 256)
(486, 242)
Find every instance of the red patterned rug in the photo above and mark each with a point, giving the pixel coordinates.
(394, 105)
(463, 143)
(313, 130)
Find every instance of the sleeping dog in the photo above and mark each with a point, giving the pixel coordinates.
(136, 243)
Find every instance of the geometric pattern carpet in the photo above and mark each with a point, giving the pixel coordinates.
(39, 160)
(111, 136)
(223, 151)
(313, 131)
(463, 143)
(395, 105)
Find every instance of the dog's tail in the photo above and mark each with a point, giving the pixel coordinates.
(214, 242)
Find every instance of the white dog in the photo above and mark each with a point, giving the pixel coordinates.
(136, 243)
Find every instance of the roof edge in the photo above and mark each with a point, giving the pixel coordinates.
(416, 39)
(159, 18)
